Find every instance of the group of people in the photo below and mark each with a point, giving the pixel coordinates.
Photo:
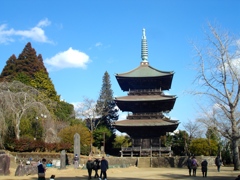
(96, 165)
(90, 165)
(192, 165)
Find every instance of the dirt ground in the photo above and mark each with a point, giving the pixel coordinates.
(132, 173)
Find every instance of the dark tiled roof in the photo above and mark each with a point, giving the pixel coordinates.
(145, 98)
(145, 71)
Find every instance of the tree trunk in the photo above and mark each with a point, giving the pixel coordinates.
(17, 131)
(235, 154)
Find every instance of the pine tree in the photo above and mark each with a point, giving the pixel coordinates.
(106, 106)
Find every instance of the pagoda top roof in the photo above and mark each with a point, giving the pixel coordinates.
(145, 70)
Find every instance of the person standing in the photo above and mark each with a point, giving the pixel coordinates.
(76, 161)
(204, 165)
(218, 162)
(194, 165)
(89, 166)
(96, 167)
(189, 165)
(104, 167)
(42, 169)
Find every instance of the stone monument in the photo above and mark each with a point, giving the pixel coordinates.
(63, 159)
(4, 164)
(77, 145)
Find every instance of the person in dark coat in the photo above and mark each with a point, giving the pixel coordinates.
(189, 165)
(204, 165)
(218, 162)
(96, 167)
(89, 166)
(42, 169)
(104, 167)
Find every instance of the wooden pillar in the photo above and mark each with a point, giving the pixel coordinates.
(140, 152)
(159, 147)
(151, 152)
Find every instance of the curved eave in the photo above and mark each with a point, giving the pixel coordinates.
(145, 123)
(157, 82)
(145, 71)
(137, 98)
(147, 128)
(145, 77)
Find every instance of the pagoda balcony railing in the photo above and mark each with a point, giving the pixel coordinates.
(145, 91)
(138, 151)
(144, 115)
(152, 148)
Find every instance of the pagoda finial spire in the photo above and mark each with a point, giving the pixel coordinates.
(144, 54)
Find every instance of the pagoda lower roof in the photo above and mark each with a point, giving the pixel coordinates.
(145, 98)
(145, 122)
(146, 128)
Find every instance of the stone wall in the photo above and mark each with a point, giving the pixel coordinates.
(175, 161)
(179, 161)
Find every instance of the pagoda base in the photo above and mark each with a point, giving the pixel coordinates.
(147, 152)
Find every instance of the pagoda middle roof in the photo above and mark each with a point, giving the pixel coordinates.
(145, 103)
(145, 71)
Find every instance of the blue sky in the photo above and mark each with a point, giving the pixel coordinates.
(80, 40)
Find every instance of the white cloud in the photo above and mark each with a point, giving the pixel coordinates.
(98, 44)
(44, 23)
(68, 59)
(36, 33)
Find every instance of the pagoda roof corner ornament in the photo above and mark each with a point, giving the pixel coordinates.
(144, 48)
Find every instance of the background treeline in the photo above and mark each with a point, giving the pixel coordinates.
(32, 111)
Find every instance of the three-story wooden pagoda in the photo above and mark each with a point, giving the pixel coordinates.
(146, 104)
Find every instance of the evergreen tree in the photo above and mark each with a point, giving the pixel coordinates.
(106, 106)
(26, 65)
(9, 70)
(29, 69)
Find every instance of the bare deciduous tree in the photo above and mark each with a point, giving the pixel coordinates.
(16, 101)
(193, 129)
(219, 81)
(87, 111)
